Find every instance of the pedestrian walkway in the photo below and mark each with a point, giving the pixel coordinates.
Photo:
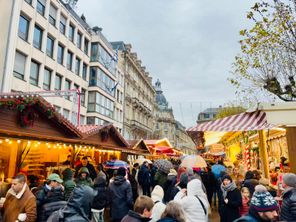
(214, 217)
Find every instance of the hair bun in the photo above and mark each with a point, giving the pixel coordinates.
(260, 188)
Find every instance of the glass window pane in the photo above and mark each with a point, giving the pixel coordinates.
(71, 32)
(52, 15)
(23, 28)
(49, 46)
(63, 22)
(77, 66)
(60, 54)
(41, 6)
(19, 65)
(86, 42)
(46, 79)
(79, 38)
(58, 82)
(37, 41)
(34, 73)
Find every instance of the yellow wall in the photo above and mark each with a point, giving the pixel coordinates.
(233, 151)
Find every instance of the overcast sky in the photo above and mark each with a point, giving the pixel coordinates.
(188, 44)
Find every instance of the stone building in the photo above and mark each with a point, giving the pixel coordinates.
(139, 94)
(46, 46)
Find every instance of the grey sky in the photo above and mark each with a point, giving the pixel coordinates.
(188, 44)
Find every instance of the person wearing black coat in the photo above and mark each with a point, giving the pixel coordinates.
(209, 181)
(232, 200)
(121, 196)
(288, 210)
(169, 185)
(250, 182)
(144, 178)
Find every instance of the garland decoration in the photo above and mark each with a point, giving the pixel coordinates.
(26, 108)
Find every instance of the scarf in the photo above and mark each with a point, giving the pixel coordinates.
(227, 188)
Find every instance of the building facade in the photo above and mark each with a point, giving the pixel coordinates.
(208, 114)
(47, 47)
(139, 94)
(168, 127)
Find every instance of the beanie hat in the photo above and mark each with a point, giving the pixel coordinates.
(83, 170)
(67, 174)
(183, 180)
(157, 194)
(290, 179)
(262, 200)
(172, 172)
(121, 171)
(226, 176)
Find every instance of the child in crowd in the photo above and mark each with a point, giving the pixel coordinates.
(244, 209)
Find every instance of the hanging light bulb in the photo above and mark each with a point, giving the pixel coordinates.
(18, 141)
(6, 140)
(1, 141)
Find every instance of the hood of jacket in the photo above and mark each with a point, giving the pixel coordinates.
(167, 219)
(100, 182)
(157, 194)
(81, 201)
(67, 174)
(194, 187)
(83, 170)
(118, 180)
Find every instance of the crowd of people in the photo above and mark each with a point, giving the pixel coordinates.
(145, 193)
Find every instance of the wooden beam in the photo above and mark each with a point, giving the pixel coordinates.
(291, 142)
(263, 153)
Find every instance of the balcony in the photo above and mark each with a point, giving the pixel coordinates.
(137, 125)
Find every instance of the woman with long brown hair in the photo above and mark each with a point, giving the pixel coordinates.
(173, 213)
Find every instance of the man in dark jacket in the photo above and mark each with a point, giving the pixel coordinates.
(250, 182)
(78, 208)
(263, 207)
(121, 196)
(144, 178)
(90, 167)
(288, 210)
(51, 192)
(142, 210)
(68, 183)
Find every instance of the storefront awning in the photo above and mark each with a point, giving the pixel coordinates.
(240, 122)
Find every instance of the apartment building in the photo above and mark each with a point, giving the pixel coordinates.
(139, 94)
(47, 47)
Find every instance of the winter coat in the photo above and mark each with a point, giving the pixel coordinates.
(230, 211)
(45, 196)
(78, 208)
(144, 176)
(160, 178)
(252, 216)
(102, 196)
(121, 197)
(15, 204)
(68, 183)
(193, 209)
(167, 219)
(159, 207)
(134, 217)
(84, 181)
(168, 186)
(288, 210)
(91, 169)
(250, 184)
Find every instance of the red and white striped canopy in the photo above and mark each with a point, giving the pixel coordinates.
(240, 122)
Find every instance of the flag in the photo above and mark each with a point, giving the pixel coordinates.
(114, 87)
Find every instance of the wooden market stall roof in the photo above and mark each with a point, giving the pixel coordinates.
(32, 117)
(139, 146)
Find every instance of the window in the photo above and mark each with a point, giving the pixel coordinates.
(57, 108)
(76, 87)
(34, 74)
(63, 22)
(78, 40)
(37, 41)
(60, 54)
(52, 15)
(84, 71)
(46, 79)
(58, 82)
(100, 54)
(77, 66)
(29, 2)
(66, 114)
(41, 6)
(99, 78)
(100, 104)
(67, 87)
(71, 32)
(82, 97)
(19, 65)
(49, 46)
(82, 120)
(69, 60)
(23, 28)
(86, 43)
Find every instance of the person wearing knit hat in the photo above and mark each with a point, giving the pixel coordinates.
(232, 199)
(263, 207)
(169, 185)
(288, 209)
(157, 196)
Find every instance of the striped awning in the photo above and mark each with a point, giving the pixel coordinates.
(240, 122)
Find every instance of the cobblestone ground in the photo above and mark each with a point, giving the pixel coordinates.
(214, 217)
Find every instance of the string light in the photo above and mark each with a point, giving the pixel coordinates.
(1, 141)
(18, 141)
(6, 140)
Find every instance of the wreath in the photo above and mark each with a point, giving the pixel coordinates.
(27, 117)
